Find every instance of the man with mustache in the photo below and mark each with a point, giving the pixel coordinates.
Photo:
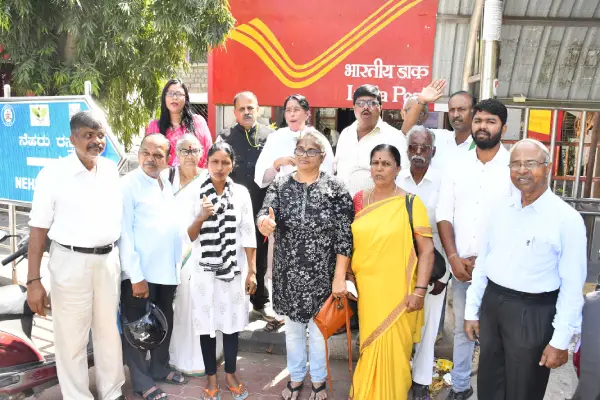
(77, 203)
(352, 156)
(526, 298)
(151, 247)
(470, 187)
(424, 181)
(247, 138)
(448, 143)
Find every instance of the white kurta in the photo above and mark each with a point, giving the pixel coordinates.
(219, 305)
(282, 143)
(184, 350)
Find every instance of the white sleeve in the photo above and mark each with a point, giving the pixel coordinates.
(247, 230)
(444, 210)
(42, 208)
(130, 259)
(329, 162)
(264, 173)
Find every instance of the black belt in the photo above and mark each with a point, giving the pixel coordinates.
(90, 250)
(502, 289)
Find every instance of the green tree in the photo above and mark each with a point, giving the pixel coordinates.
(126, 48)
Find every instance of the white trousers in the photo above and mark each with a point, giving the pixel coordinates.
(422, 368)
(85, 294)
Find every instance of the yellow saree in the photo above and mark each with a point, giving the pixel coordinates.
(384, 263)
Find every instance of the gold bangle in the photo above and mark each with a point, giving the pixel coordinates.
(418, 295)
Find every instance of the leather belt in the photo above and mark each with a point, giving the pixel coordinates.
(90, 250)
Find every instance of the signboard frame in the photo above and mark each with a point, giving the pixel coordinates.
(93, 106)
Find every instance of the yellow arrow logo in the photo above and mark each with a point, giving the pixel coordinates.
(257, 36)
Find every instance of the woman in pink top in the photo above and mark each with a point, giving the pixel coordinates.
(176, 119)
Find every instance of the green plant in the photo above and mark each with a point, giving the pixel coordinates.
(126, 48)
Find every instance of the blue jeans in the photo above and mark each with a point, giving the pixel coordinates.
(463, 347)
(295, 343)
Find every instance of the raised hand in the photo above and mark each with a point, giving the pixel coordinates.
(208, 209)
(267, 223)
(433, 91)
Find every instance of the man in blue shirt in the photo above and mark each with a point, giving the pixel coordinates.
(150, 250)
(526, 297)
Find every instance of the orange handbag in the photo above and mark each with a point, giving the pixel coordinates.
(334, 314)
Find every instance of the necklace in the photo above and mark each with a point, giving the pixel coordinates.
(255, 145)
(371, 193)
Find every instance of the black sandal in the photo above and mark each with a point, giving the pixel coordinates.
(293, 390)
(319, 389)
(177, 378)
(273, 326)
(154, 394)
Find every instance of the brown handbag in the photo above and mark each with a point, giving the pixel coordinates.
(334, 314)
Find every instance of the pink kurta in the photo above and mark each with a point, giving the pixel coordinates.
(202, 133)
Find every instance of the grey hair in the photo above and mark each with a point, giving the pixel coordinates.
(318, 137)
(188, 137)
(539, 144)
(423, 129)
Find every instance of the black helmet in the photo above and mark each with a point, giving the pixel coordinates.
(149, 331)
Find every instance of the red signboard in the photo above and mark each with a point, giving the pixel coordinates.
(324, 49)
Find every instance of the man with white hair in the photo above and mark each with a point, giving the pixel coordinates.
(526, 298)
(424, 181)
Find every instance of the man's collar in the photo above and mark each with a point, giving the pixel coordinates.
(146, 177)
(429, 174)
(75, 164)
(240, 126)
(538, 205)
(380, 124)
(499, 158)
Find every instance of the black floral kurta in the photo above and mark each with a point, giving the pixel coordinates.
(313, 226)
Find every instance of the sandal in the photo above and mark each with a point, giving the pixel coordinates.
(176, 378)
(273, 326)
(155, 394)
(214, 394)
(317, 390)
(293, 390)
(239, 393)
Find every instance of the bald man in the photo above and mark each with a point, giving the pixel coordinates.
(525, 300)
(150, 250)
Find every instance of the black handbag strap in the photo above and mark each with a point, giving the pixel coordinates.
(409, 209)
(172, 174)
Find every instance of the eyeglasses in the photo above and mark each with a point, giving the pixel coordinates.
(368, 103)
(419, 147)
(176, 95)
(528, 165)
(189, 152)
(294, 110)
(310, 152)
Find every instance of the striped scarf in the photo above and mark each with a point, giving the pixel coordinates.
(218, 234)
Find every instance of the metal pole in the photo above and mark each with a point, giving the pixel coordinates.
(87, 88)
(492, 27)
(553, 142)
(6, 90)
(471, 43)
(12, 227)
(526, 124)
(579, 160)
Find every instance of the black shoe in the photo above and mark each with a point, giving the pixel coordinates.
(420, 392)
(460, 395)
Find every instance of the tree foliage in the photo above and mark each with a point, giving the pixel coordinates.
(126, 48)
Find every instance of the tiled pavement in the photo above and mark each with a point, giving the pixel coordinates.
(265, 376)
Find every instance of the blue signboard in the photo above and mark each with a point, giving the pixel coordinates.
(33, 133)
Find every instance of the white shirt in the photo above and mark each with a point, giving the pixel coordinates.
(151, 240)
(469, 192)
(446, 148)
(353, 156)
(282, 143)
(428, 191)
(79, 207)
(536, 249)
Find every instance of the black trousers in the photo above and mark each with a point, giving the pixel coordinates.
(515, 328)
(144, 374)
(209, 352)
(261, 297)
